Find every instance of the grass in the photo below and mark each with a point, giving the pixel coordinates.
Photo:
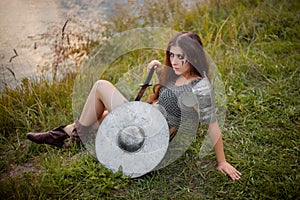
(256, 46)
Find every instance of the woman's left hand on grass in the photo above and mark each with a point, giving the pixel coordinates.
(228, 169)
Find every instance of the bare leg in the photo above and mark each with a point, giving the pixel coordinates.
(103, 96)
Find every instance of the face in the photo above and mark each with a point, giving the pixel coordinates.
(179, 63)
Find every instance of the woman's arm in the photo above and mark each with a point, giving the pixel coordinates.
(216, 139)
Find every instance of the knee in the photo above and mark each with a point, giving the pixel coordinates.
(102, 85)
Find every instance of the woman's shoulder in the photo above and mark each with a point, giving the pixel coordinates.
(201, 86)
(195, 80)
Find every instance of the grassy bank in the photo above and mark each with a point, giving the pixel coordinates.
(256, 47)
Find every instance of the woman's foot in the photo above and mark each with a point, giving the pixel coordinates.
(55, 137)
(63, 136)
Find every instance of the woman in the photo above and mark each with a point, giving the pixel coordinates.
(183, 73)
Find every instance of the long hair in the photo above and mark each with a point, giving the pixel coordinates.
(192, 48)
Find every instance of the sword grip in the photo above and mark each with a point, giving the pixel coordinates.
(150, 74)
(145, 85)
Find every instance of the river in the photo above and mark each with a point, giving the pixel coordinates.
(27, 29)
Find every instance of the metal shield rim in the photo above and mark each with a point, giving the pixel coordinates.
(132, 164)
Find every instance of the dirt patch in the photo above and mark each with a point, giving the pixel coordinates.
(15, 171)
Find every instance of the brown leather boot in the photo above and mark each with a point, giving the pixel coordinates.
(55, 137)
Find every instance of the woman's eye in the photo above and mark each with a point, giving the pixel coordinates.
(171, 55)
(181, 57)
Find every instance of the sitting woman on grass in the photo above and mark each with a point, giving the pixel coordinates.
(184, 71)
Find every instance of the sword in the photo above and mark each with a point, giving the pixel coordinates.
(145, 84)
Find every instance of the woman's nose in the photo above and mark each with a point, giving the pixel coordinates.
(174, 61)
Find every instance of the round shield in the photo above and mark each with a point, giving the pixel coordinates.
(133, 137)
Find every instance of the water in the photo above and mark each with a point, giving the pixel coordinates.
(28, 29)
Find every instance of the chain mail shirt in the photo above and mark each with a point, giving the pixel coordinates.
(178, 103)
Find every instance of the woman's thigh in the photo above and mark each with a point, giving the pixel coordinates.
(111, 97)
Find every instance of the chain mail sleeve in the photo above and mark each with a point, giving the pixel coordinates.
(205, 101)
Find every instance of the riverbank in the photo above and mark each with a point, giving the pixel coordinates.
(256, 48)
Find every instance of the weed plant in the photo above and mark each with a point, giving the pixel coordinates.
(256, 46)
